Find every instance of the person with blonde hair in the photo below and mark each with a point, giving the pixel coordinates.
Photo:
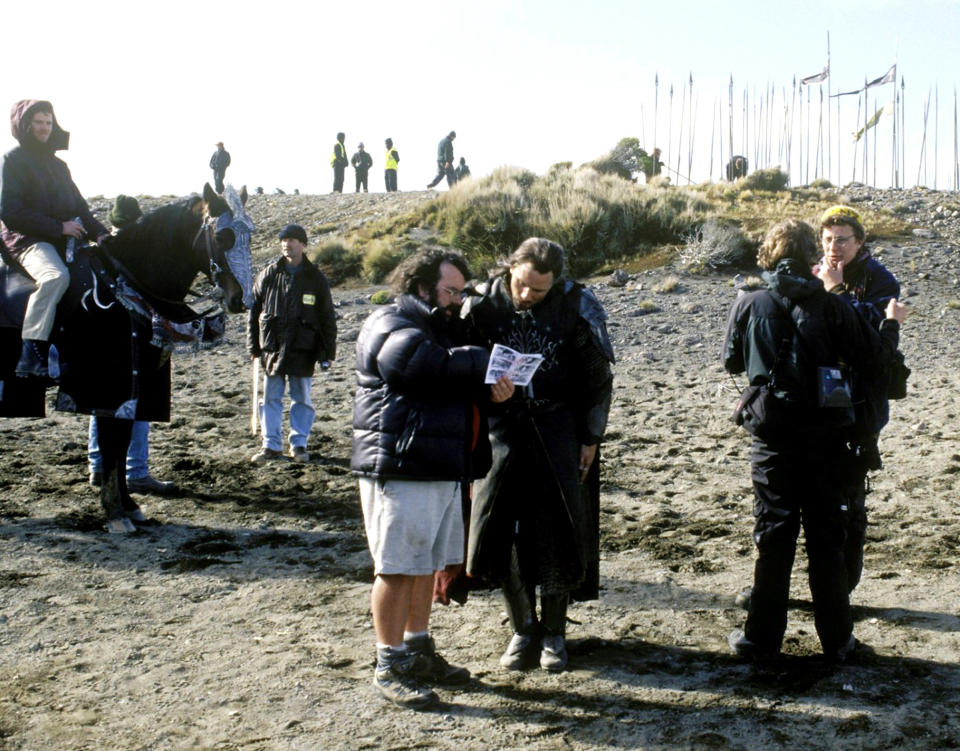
(785, 337)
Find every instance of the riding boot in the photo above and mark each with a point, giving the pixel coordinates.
(33, 359)
(553, 618)
(521, 610)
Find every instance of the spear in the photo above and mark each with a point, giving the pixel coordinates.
(923, 145)
(956, 155)
(656, 89)
(683, 107)
(903, 130)
(670, 126)
(713, 133)
(936, 133)
(690, 132)
(828, 113)
(730, 131)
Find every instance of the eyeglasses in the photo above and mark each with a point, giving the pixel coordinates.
(839, 240)
(458, 294)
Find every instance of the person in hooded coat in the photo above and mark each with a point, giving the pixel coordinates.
(40, 210)
(780, 336)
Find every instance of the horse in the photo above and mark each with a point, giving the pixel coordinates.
(122, 315)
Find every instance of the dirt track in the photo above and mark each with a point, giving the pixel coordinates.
(243, 621)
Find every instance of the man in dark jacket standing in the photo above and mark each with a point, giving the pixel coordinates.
(219, 163)
(849, 270)
(362, 162)
(417, 441)
(41, 211)
(291, 328)
(535, 516)
(339, 162)
(782, 337)
(445, 167)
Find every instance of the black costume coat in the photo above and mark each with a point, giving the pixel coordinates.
(537, 434)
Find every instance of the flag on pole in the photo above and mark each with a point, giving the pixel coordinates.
(823, 75)
(889, 77)
(887, 109)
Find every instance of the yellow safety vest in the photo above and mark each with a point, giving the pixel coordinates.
(333, 156)
(390, 162)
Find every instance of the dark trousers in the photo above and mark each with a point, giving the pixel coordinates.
(443, 172)
(361, 180)
(390, 179)
(218, 176)
(796, 485)
(338, 171)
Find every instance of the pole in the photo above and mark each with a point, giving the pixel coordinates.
(829, 155)
(656, 89)
(254, 395)
(730, 131)
(921, 167)
(956, 154)
(690, 132)
(683, 107)
(670, 128)
(903, 131)
(713, 133)
(936, 133)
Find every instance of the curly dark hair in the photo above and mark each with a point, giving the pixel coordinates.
(788, 239)
(423, 269)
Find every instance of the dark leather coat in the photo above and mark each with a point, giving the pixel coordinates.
(292, 325)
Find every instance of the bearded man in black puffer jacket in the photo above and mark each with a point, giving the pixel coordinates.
(418, 440)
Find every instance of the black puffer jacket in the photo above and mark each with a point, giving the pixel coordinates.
(291, 325)
(825, 331)
(413, 415)
(37, 193)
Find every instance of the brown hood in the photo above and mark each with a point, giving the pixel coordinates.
(22, 113)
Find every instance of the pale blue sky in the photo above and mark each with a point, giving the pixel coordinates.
(523, 82)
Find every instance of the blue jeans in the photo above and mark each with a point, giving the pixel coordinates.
(271, 411)
(137, 453)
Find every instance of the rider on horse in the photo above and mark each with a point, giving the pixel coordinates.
(40, 210)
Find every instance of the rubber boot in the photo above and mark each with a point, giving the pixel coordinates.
(553, 618)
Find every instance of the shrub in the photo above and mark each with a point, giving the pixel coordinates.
(716, 245)
(821, 183)
(338, 262)
(381, 257)
(770, 180)
(381, 297)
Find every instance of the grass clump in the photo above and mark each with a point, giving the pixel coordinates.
(380, 258)
(668, 285)
(381, 297)
(716, 245)
(338, 262)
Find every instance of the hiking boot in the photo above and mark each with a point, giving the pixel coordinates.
(742, 600)
(553, 653)
(743, 647)
(300, 454)
(149, 484)
(266, 455)
(520, 653)
(33, 359)
(396, 683)
(432, 668)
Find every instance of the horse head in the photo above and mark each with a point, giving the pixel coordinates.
(231, 267)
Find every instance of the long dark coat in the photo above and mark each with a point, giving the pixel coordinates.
(536, 438)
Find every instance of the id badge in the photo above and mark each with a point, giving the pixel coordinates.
(309, 299)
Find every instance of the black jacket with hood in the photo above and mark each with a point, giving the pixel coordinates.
(37, 193)
(825, 330)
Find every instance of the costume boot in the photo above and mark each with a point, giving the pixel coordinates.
(521, 610)
(33, 359)
(553, 617)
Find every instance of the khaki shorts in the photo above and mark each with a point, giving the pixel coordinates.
(413, 527)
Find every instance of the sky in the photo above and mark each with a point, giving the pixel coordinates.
(147, 90)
